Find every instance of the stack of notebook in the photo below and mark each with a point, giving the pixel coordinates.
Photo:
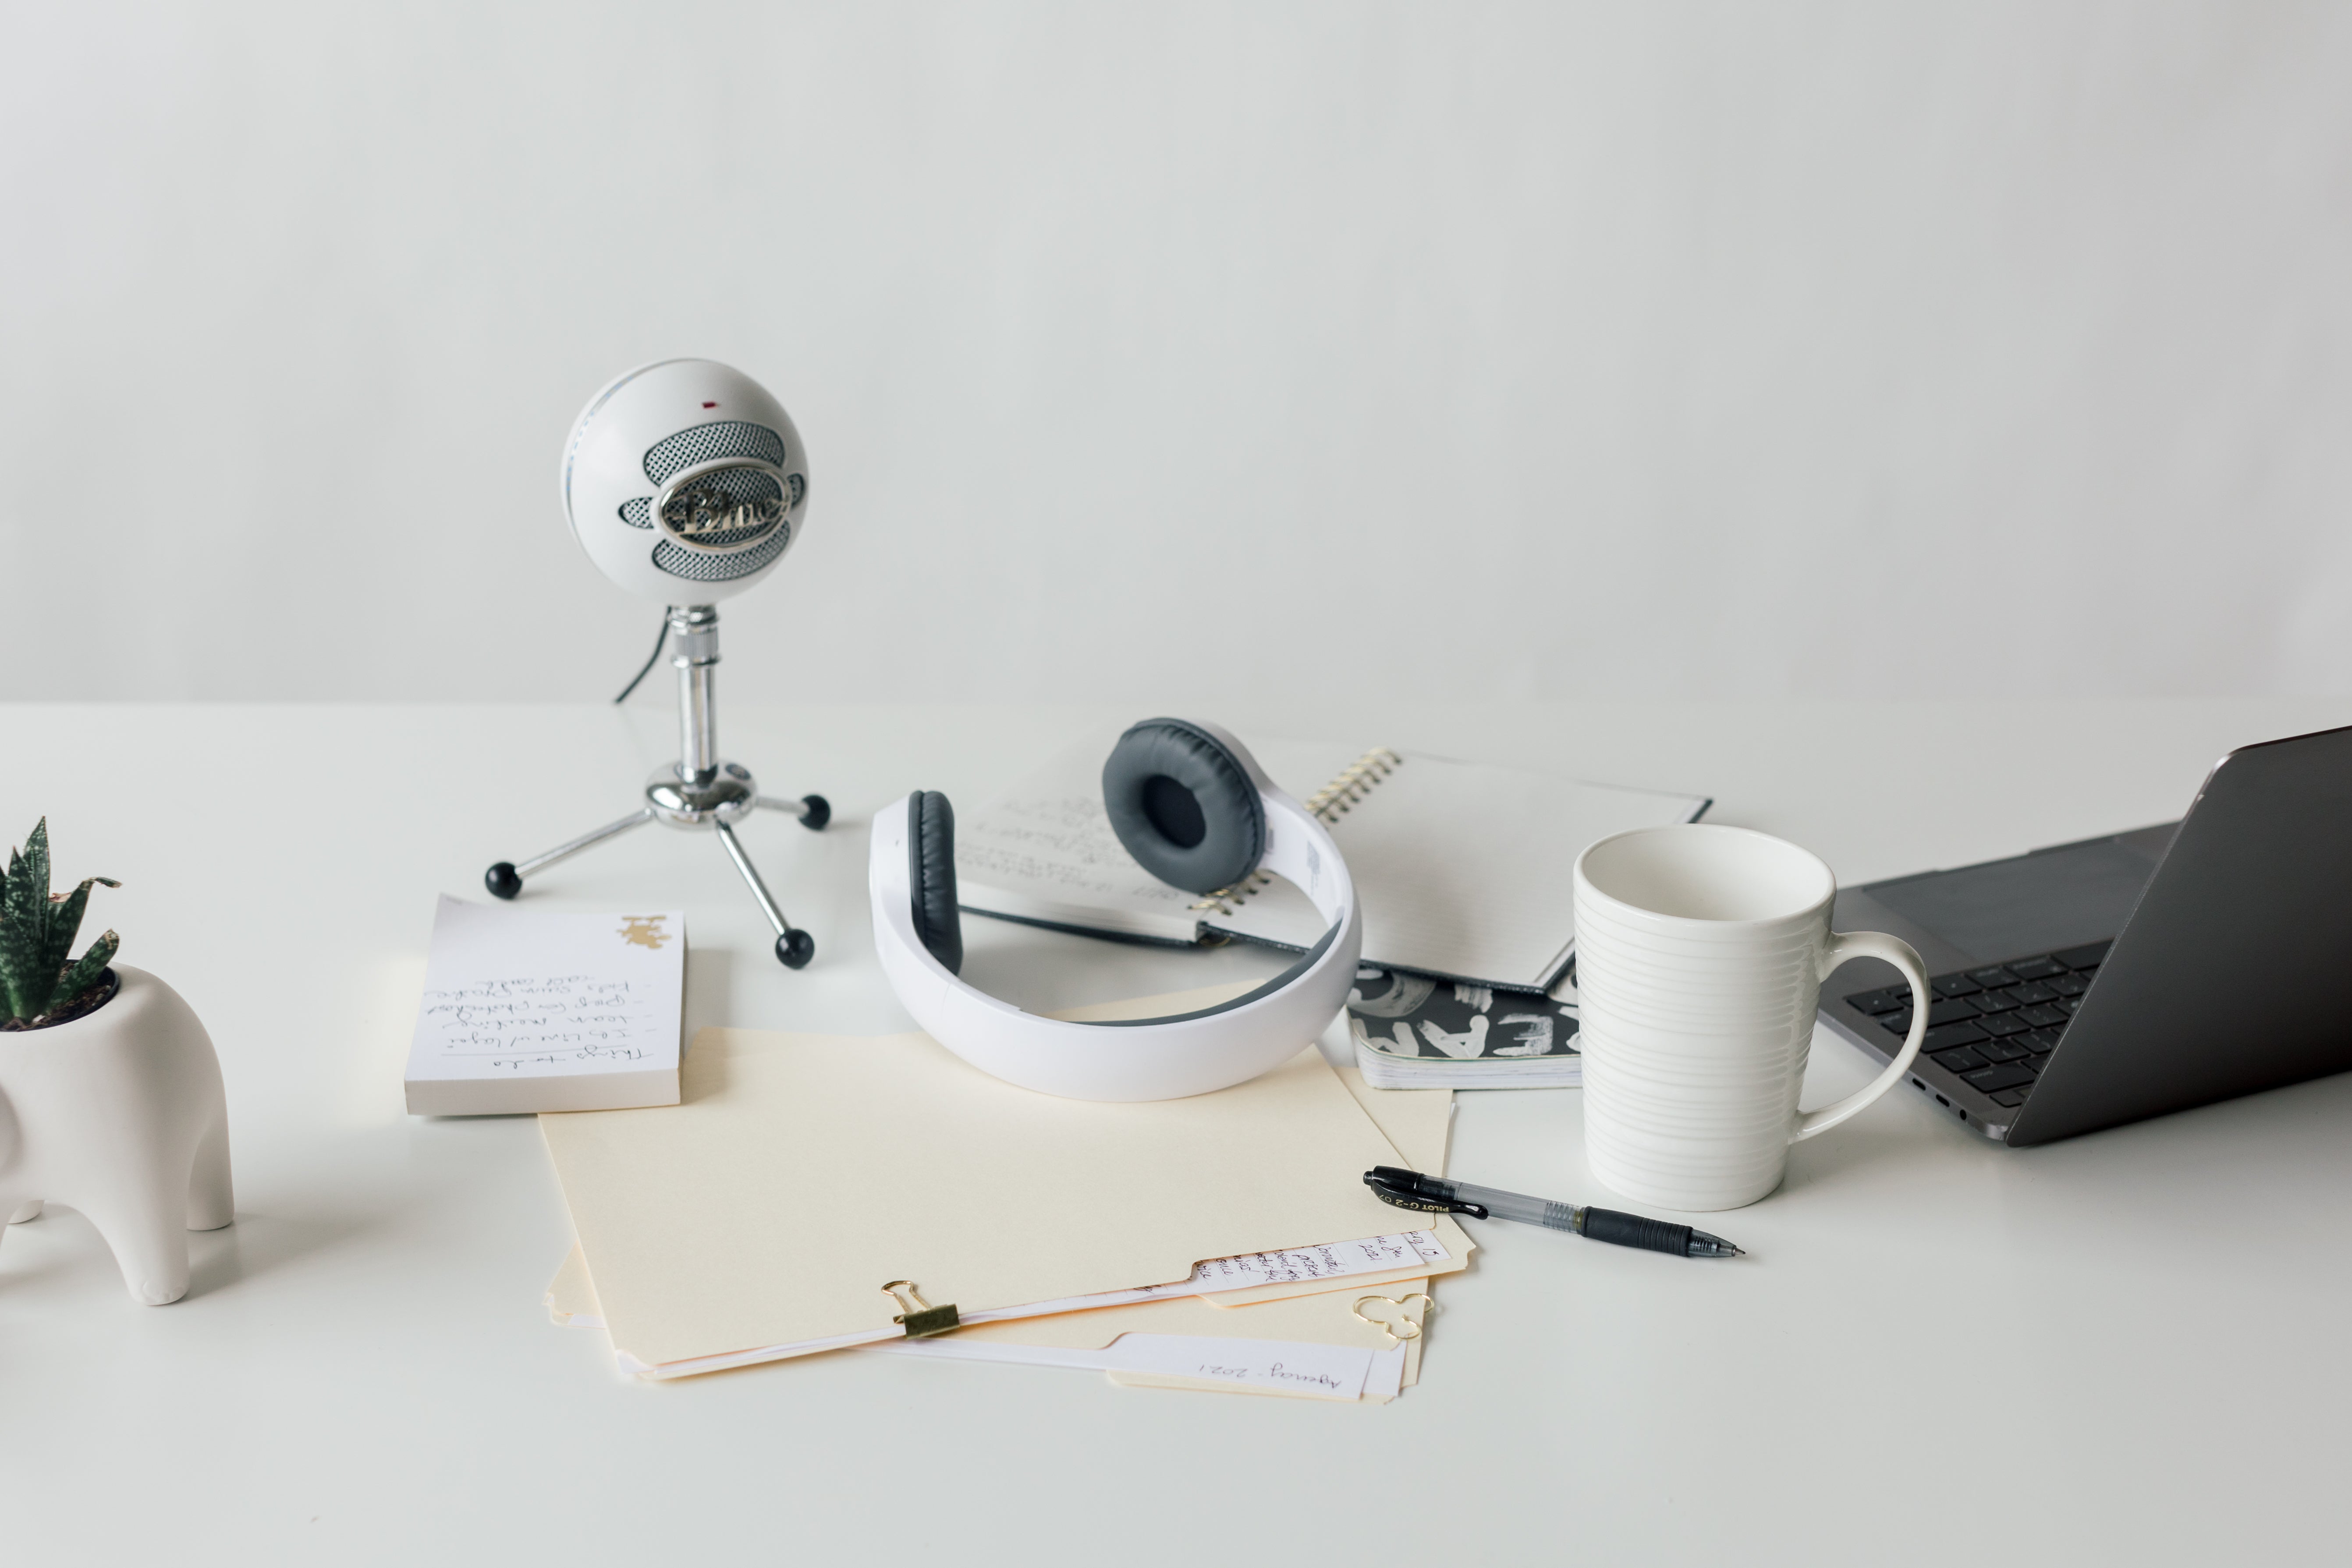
(812, 1194)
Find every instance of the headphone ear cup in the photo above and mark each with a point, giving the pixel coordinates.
(1185, 806)
(931, 878)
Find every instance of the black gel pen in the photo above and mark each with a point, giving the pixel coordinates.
(1435, 1194)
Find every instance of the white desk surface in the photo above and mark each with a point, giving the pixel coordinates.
(2127, 1348)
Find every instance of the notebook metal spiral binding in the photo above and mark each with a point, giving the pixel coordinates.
(1330, 803)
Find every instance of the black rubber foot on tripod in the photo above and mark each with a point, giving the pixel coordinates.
(819, 812)
(501, 880)
(794, 949)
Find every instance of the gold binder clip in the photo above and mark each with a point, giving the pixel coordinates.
(922, 1319)
(1404, 1328)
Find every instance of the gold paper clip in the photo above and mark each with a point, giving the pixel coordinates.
(922, 1319)
(1410, 1330)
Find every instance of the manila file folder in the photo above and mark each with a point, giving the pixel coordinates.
(800, 1174)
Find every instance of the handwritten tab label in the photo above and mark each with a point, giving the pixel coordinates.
(1340, 1259)
(1289, 1366)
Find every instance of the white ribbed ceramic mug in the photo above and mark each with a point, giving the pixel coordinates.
(1700, 953)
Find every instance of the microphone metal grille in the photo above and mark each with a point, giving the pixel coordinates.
(700, 568)
(723, 438)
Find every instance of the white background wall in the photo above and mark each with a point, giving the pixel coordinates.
(1494, 351)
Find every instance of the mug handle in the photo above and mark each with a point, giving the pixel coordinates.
(1852, 944)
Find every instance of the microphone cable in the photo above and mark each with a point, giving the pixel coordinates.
(659, 642)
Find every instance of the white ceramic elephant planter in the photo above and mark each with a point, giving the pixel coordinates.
(119, 1114)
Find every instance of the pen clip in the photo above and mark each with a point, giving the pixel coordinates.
(1427, 1203)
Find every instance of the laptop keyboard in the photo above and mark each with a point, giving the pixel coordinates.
(1994, 1027)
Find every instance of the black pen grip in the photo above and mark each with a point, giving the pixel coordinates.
(1632, 1230)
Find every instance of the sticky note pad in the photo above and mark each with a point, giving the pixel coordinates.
(528, 1010)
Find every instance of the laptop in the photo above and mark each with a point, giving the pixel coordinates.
(2095, 984)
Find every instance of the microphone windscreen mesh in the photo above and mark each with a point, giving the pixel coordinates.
(724, 439)
(696, 567)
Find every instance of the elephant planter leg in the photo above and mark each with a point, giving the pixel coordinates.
(120, 1114)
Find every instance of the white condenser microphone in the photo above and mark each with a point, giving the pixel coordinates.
(685, 481)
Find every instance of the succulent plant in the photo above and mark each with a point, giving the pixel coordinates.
(36, 932)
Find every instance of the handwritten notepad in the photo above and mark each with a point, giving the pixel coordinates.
(528, 1010)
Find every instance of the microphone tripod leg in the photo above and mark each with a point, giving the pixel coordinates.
(505, 879)
(814, 810)
(794, 948)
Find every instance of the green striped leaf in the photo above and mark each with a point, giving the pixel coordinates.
(25, 984)
(37, 934)
(84, 975)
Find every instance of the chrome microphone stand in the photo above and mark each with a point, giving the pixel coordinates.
(698, 791)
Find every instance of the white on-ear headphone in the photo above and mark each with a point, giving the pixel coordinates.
(1194, 807)
(685, 481)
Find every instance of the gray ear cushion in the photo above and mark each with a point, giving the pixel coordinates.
(1183, 806)
(931, 877)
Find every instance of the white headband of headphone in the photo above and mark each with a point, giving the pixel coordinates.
(1194, 807)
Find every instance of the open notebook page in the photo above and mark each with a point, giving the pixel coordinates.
(1464, 868)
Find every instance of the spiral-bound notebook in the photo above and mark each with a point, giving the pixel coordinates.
(1463, 869)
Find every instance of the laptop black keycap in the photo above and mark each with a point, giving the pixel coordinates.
(2008, 1075)
(2081, 958)
(1994, 1027)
